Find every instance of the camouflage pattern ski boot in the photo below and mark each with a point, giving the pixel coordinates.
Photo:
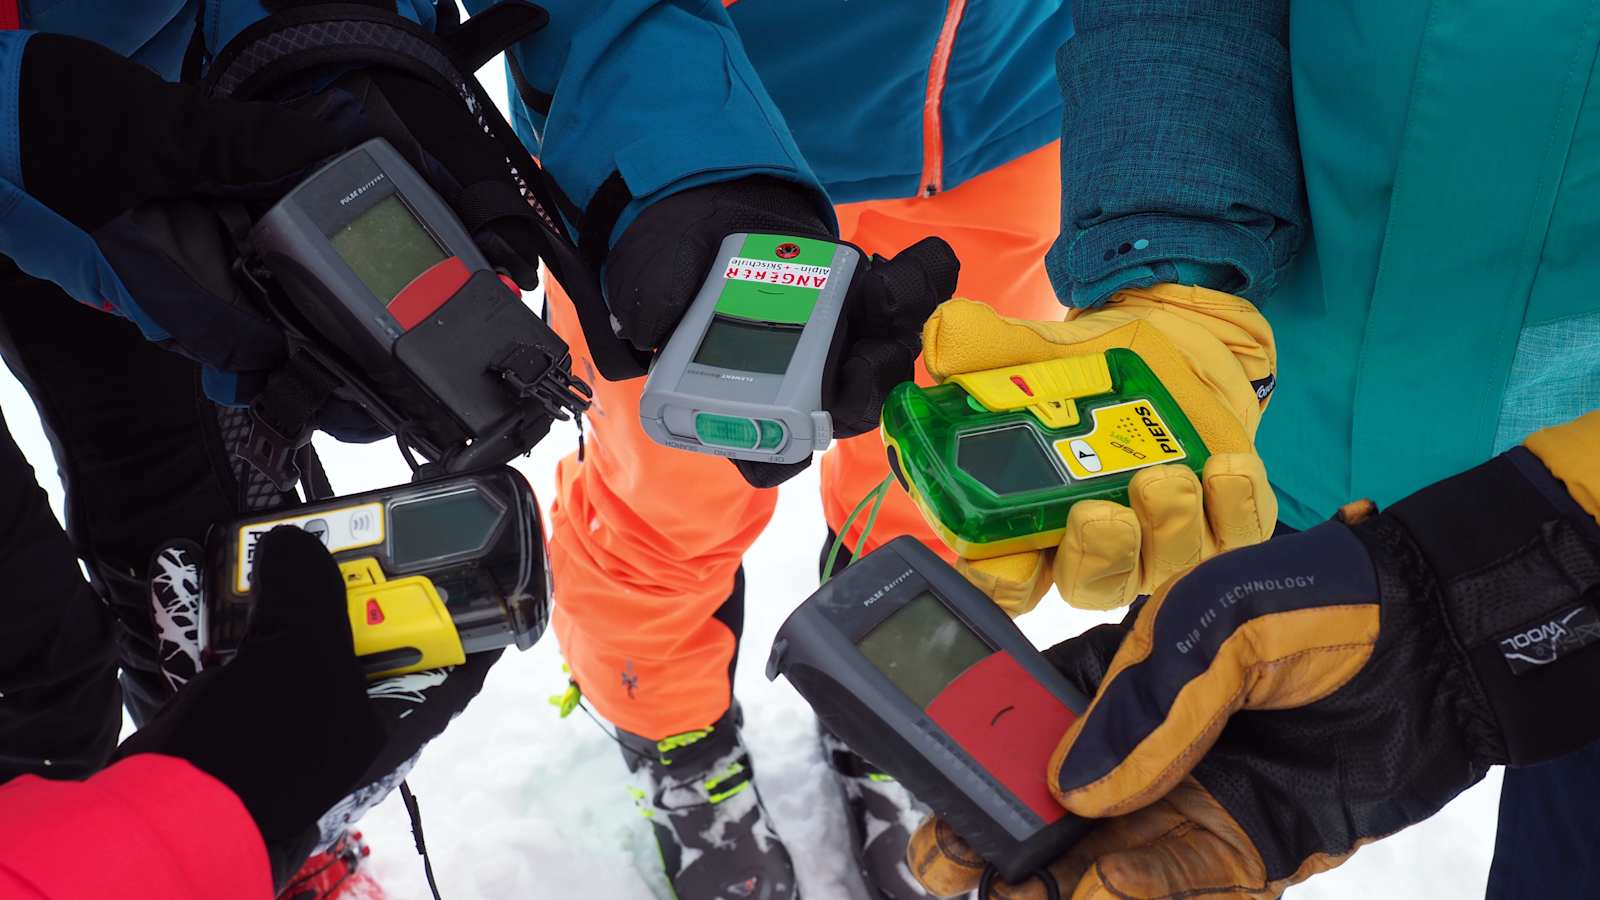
(714, 834)
(883, 815)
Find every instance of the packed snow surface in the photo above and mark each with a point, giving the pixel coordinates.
(519, 803)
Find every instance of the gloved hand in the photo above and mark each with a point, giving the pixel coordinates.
(437, 133)
(1282, 705)
(286, 725)
(657, 266)
(171, 144)
(1215, 354)
(410, 710)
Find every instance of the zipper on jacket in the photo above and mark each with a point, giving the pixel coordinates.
(932, 128)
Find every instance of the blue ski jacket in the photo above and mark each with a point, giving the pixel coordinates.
(660, 91)
(892, 99)
(886, 99)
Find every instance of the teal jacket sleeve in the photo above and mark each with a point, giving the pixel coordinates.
(630, 101)
(1180, 161)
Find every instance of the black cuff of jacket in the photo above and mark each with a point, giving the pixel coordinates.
(1518, 566)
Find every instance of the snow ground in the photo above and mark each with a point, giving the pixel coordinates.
(520, 805)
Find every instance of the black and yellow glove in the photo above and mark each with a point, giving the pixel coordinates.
(1269, 713)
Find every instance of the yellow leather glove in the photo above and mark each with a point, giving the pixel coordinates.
(1264, 716)
(1211, 350)
(1572, 454)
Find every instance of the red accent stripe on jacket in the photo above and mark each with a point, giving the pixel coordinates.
(932, 126)
(10, 18)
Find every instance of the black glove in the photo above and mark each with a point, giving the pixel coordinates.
(657, 266)
(286, 725)
(1284, 704)
(169, 144)
(411, 709)
(441, 139)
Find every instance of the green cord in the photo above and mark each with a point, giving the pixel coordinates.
(872, 518)
(874, 497)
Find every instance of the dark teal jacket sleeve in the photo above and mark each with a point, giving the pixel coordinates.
(1180, 159)
(656, 96)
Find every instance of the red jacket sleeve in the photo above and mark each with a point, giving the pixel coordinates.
(148, 828)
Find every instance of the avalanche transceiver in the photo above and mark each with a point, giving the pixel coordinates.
(433, 570)
(922, 674)
(742, 375)
(996, 459)
(385, 291)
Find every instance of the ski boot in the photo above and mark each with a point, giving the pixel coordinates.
(714, 834)
(335, 874)
(883, 815)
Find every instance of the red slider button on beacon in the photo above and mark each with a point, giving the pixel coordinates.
(1009, 723)
(428, 291)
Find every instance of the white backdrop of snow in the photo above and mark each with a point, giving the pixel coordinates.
(518, 803)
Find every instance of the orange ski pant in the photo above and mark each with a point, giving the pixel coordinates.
(645, 541)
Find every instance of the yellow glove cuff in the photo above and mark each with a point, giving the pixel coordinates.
(1572, 453)
(1195, 317)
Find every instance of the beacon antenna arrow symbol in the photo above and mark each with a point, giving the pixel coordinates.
(1089, 459)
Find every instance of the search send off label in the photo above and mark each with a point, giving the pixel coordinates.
(338, 529)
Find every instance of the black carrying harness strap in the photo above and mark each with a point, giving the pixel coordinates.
(284, 416)
(610, 199)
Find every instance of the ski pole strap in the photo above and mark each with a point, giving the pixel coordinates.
(414, 812)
